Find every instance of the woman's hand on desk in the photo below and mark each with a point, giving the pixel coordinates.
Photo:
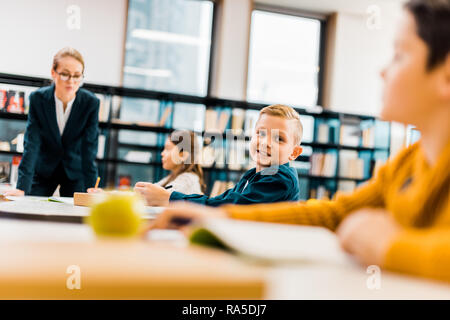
(153, 194)
(367, 235)
(179, 214)
(14, 192)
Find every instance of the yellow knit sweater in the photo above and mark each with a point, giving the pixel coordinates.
(417, 196)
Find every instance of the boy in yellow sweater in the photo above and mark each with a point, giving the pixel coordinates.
(399, 220)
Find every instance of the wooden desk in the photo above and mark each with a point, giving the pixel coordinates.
(34, 257)
(124, 270)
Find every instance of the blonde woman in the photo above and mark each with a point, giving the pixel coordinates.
(61, 137)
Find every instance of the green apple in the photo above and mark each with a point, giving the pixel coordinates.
(117, 214)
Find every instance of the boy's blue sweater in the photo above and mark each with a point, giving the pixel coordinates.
(277, 183)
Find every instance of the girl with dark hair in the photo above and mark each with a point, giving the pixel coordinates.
(180, 157)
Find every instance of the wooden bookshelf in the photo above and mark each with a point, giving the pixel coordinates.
(111, 127)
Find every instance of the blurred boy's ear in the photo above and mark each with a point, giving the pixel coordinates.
(296, 153)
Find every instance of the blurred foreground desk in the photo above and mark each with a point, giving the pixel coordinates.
(34, 257)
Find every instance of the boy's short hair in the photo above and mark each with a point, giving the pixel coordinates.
(285, 112)
(432, 18)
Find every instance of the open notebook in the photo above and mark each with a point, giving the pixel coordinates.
(271, 242)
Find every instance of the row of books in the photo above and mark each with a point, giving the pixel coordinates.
(349, 135)
(215, 122)
(323, 193)
(323, 164)
(234, 158)
(12, 101)
(355, 135)
(208, 158)
(325, 133)
(242, 121)
(161, 123)
(350, 166)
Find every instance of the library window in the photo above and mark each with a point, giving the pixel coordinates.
(167, 49)
(168, 45)
(284, 69)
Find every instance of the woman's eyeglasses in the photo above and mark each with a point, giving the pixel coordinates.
(66, 76)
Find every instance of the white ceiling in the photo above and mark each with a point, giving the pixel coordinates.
(329, 6)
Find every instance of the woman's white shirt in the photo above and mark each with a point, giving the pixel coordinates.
(187, 183)
(62, 115)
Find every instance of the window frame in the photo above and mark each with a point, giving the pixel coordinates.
(323, 20)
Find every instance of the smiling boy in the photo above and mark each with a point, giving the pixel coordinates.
(275, 142)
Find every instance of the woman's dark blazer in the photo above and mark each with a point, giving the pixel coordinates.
(45, 148)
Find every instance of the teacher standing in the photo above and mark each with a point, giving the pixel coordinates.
(61, 137)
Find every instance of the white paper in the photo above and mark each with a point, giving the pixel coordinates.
(42, 207)
(278, 242)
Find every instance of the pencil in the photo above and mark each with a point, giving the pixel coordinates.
(97, 182)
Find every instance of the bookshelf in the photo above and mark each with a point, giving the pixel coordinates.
(340, 150)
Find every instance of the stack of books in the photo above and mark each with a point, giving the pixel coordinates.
(368, 137)
(5, 168)
(251, 116)
(323, 133)
(350, 166)
(350, 135)
(323, 164)
(161, 123)
(12, 101)
(236, 158)
(237, 121)
(208, 156)
(220, 187)
(103, 112)
(215, 122)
